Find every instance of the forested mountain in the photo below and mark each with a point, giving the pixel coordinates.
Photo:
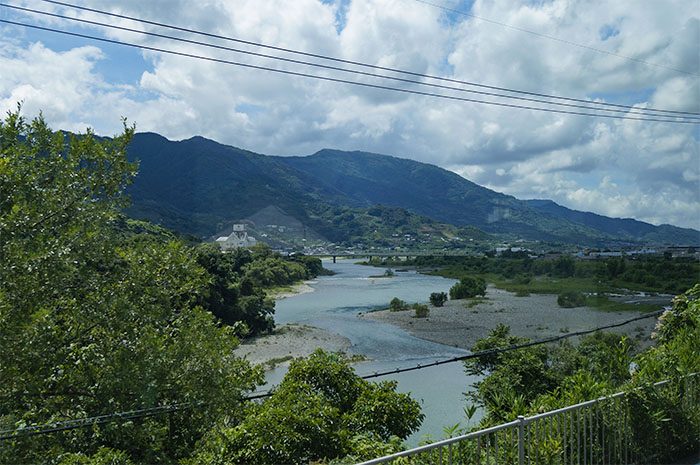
(199, 186)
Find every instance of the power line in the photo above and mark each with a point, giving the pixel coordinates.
(558, 39)
(133, 414)
(90, 421)
(485, 353)
(635, 110)
(351, 62)
(339, 80)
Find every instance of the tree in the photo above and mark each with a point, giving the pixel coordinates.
(397, 305)
(438, 299)
(571, 299)
(468, 287)
(227, 297)
(564, 267)
(320, 411)
(91, 321)
(422, 310)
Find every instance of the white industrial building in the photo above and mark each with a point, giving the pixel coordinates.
(238, 238)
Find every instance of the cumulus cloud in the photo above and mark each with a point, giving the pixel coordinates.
(649, 171)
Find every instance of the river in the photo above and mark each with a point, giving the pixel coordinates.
(334, 306)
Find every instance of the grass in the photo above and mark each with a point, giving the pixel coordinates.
(603, 303)
(547, 285)
(273, 362)
(352, 358)
(550, 285)
(475, 301)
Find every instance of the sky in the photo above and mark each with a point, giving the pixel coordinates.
(645, 170)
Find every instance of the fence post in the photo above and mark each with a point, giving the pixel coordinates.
(521, 440)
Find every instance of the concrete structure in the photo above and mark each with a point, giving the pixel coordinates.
(238, 238)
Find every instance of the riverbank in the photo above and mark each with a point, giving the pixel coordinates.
(280, 293)
(460, 323)
(290, 341)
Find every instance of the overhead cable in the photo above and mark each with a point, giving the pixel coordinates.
(77, 423)
(339, 80)
(497, 351)
(351, 62)
(635, 110)
(558, 39)
(85, 422)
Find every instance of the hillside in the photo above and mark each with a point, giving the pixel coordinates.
(200, 187)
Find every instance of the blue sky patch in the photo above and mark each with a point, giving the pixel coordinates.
(607, 31)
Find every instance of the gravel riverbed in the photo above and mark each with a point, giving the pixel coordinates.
(460, 323)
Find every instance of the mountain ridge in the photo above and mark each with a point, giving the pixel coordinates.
(198, 186)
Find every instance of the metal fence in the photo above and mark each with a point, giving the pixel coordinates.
(600, 431)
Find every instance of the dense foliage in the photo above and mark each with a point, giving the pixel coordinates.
(421, 310)
(438, 299)
(665, 421)
(564, 273)
(397, 305)
(321, 410)
(468, 287)
(94, 321)
(100, 314)
(571, 299)
(235, 293)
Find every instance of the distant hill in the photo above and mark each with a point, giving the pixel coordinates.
(198, 186)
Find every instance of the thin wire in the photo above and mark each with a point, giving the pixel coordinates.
(558, 39)
(484, 353)
(90, 421)
(83, 422)
(338, 80)
(356, 63)
(635, 110)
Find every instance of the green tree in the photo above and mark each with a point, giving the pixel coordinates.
(564, 267)
(320, 411)
(467, 287)
(515, 378)
(438, 299)
(571, 299)
(397, 305)
(422, 310)
(91, 321)
(230, 300)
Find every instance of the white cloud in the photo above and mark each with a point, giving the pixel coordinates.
(645, 170)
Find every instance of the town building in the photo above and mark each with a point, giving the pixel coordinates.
(238, 238)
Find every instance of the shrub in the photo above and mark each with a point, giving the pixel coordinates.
(397, 305)
(438, 299)
(315, 415)
(468, 287)
(422, 310)
(571, 299)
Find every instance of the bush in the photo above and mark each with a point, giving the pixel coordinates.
(422, 310)
(397, 305)
(438, 299)
(571, 299)
(468, 287)
(331, 406)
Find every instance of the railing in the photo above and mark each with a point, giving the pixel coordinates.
(599, 431)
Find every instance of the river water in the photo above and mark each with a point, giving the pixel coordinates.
(335, 304)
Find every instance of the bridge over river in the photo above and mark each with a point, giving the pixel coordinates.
(395, 254)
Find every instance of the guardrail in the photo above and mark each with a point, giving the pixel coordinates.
(598, 431)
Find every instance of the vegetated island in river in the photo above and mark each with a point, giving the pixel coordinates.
(460, 323)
